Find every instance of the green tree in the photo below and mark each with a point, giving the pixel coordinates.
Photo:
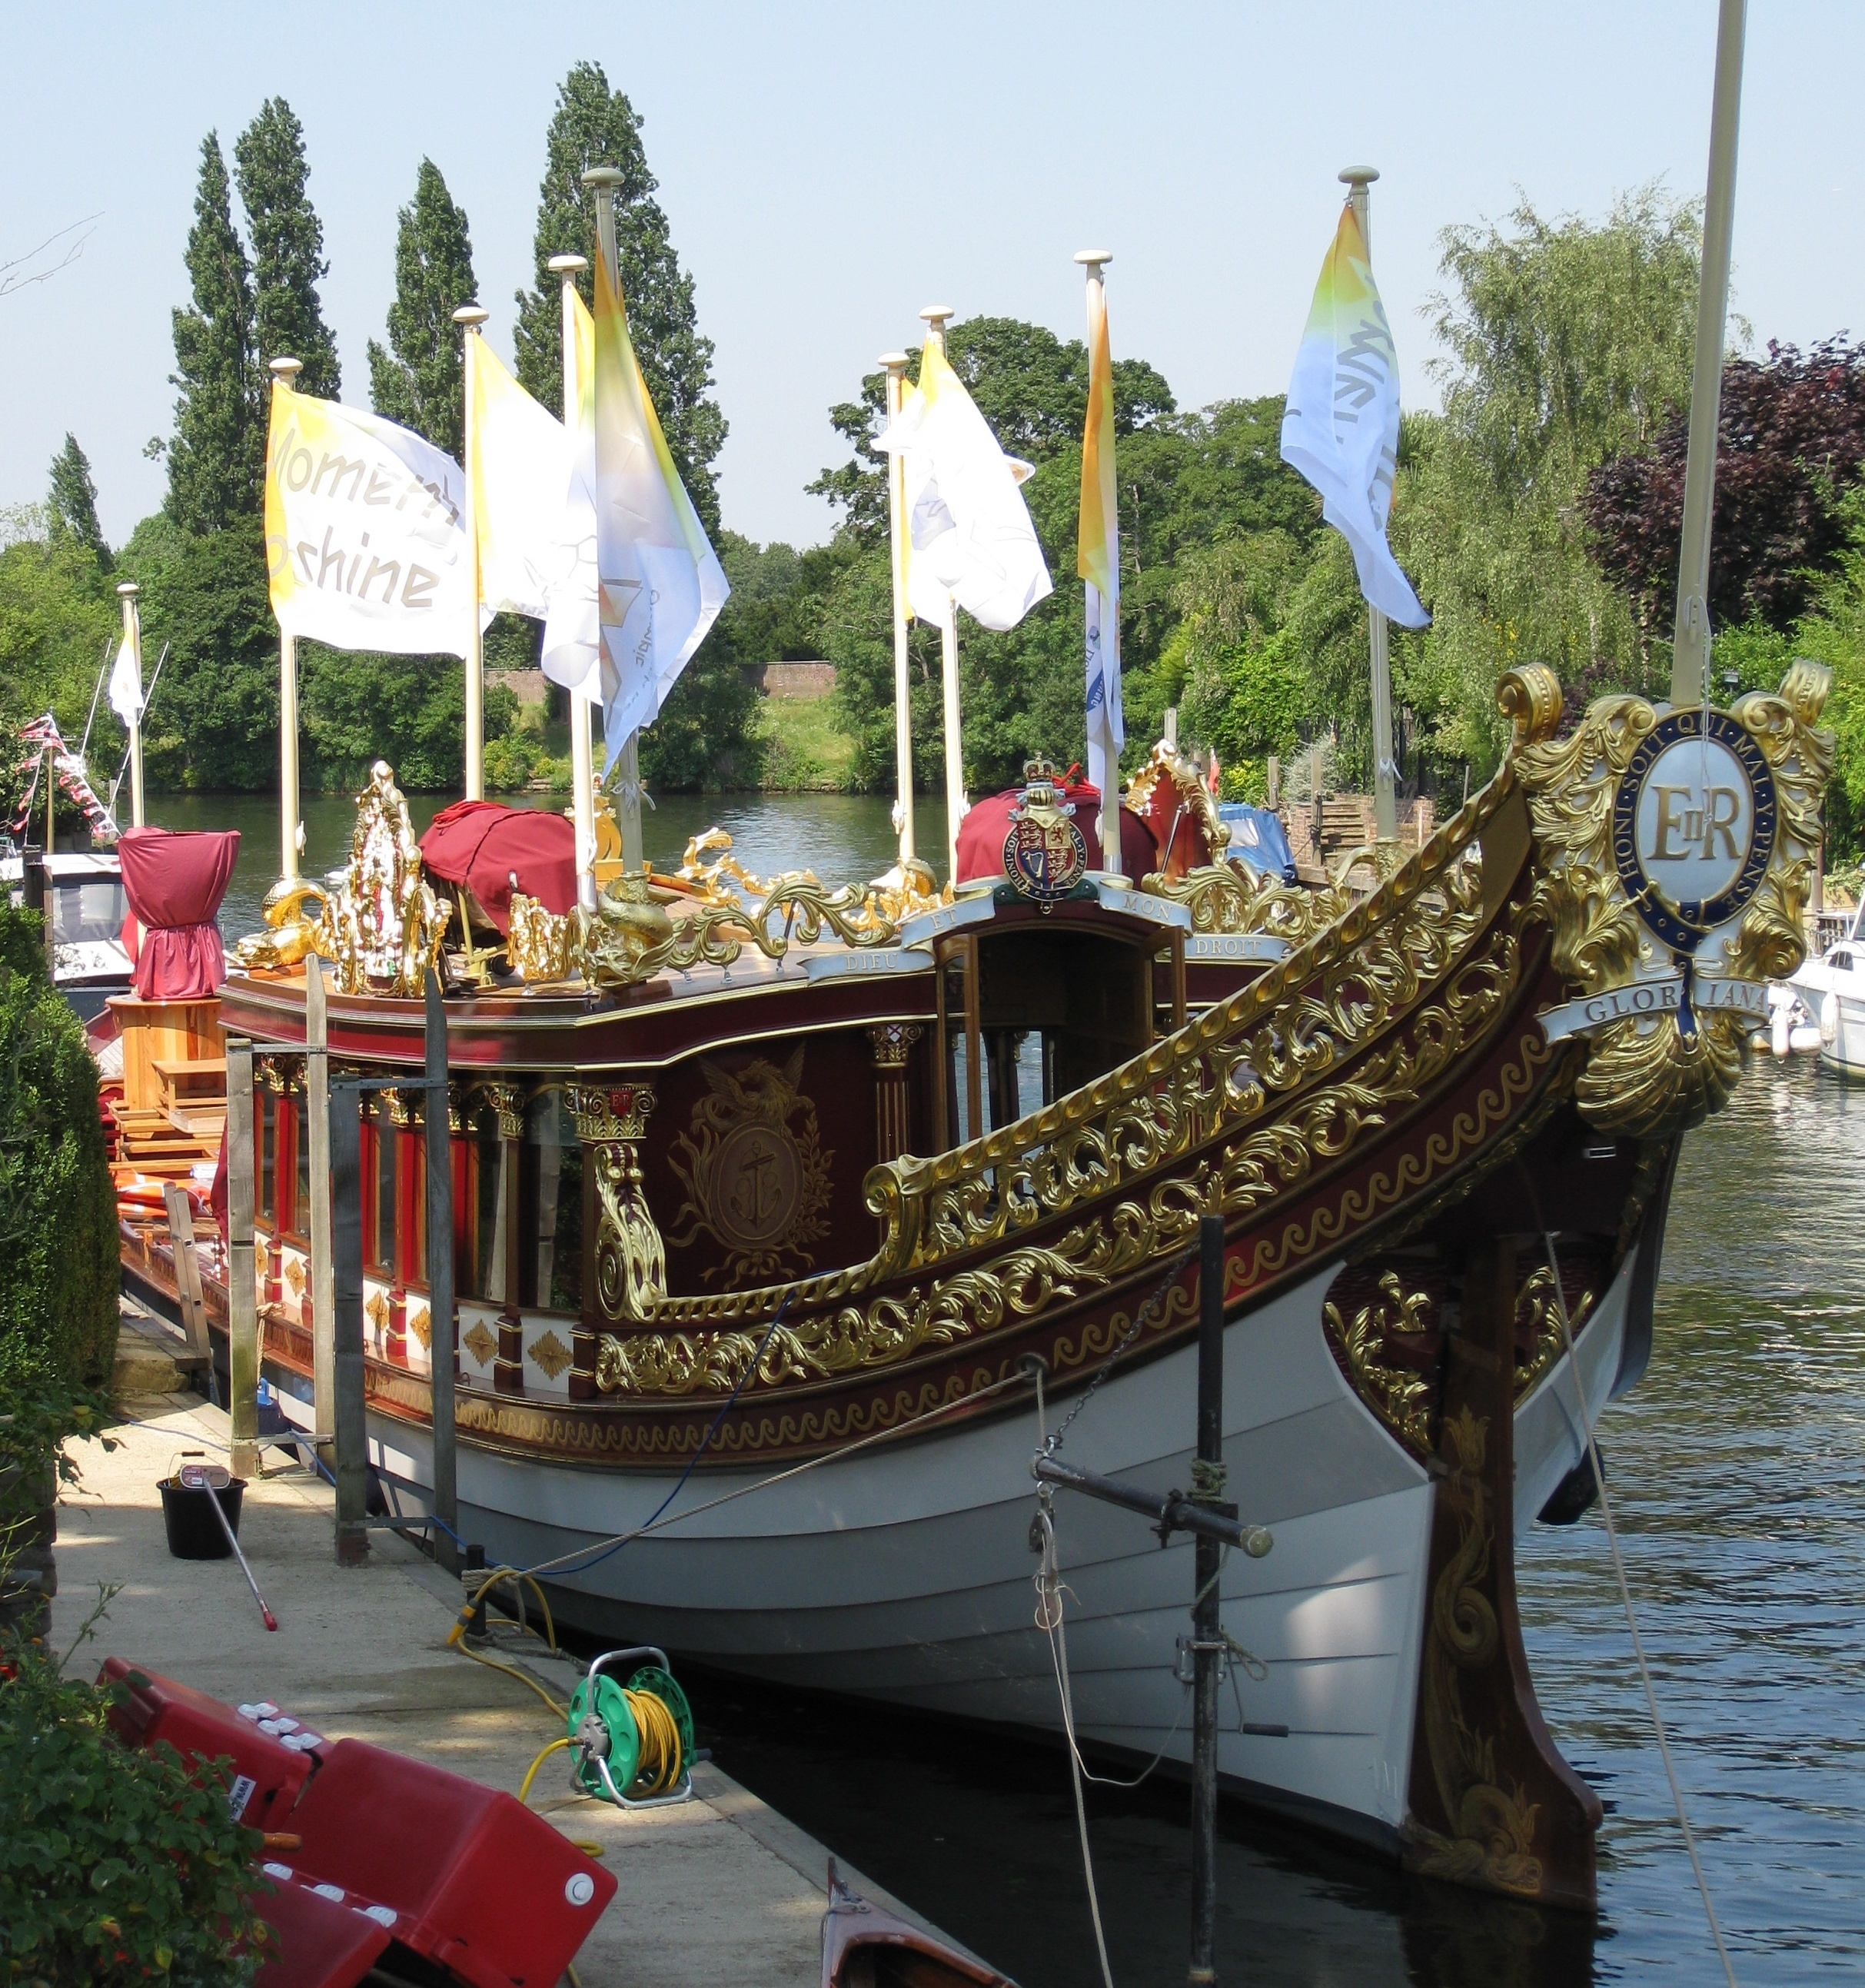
(416, 380)
(72, 501)
(1567, 342)
(594, 126)
(217, 454)
(288, 248)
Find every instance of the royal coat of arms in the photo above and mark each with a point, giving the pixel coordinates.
(755, 1174)
(1045, 853)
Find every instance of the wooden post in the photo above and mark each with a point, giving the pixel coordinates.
(1492, 1804)
(132, 641)
(351, 1430)
(242, 1294)
(317, 1103)
(441, 1324)
(975, 1127)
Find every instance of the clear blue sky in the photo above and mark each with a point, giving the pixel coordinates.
(827, 169)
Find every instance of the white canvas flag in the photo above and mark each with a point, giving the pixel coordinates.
(968, 533)
(127, 683)
(1341, 426)
(520, 470)
(365, 544)
(572, 626)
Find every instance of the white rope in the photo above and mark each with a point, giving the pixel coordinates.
(1625, 1595)
(1048, 1618)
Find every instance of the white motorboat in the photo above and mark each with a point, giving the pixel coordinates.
(1832, 989)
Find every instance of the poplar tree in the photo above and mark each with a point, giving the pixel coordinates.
(594, 126)
(416, 380)
(288, 246)
(216, 456)
(73, 501)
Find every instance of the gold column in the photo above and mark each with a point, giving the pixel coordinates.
(624, 1261)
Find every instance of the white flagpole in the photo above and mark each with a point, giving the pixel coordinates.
(896, 363)
(936, 316)
(603, 181)
(583, 764)
(1094, 262)
(132, 635)
(1358, 179)
(470, 317)
(1690, 654)
(285, 371)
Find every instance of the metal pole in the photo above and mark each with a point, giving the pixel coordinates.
(1358, 179)
(602, 180)
(1105, 613)
(132, 635)
(470, 317)
(351, 1464)
(896, 363)
(1690, 655)
(317, 1106)
(242, 1294)
(440, 1279)
(582, 767)
(1206, 1644)
(936, 316)
(285, 372)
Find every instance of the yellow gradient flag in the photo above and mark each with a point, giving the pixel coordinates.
(518, 470)
(659, 584)
(1340, 428)
(366, 543)
(1097, 559)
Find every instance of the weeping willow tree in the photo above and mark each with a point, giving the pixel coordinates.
(1565, 342)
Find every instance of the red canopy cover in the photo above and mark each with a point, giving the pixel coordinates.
(483, 844)
(175, 880)
(981, 833)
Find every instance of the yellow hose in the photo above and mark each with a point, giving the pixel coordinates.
(659, 1766)
(455, 1636)
(530, 1773)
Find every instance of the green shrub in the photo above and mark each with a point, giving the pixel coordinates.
(59, 1271)
(120, 1865)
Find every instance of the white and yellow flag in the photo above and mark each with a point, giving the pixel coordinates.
(519, 471)
(365, 544)
(1097, 559)
(969, 538)
(573, 627)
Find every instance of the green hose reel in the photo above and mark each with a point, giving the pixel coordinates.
(633, 1741)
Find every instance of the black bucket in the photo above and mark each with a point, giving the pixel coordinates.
(193, 1532)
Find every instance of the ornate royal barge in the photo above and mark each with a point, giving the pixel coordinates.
(869, 1157)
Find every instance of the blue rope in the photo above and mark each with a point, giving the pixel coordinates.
(557, 1570)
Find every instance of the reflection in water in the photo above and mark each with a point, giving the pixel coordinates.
(1738, 1468)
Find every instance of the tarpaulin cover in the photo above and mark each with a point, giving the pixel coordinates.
(981, 833)
(483, 844)
(174, 881)
(1258, 837)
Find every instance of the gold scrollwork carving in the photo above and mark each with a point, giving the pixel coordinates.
(630, 1259)
(1494, 1843)
(616, 1111)
(1229, 896)
(1399, 1395)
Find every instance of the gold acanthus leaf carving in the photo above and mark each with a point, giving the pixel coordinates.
(1537, 1295)
(1400, 1396)
(1229, 896)
(1239, 1063)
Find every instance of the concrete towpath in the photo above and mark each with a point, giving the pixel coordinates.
(720, 1888)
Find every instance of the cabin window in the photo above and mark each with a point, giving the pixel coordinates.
(378, 1158)
(269, 1148)
(480, 1263)
(550, 1209)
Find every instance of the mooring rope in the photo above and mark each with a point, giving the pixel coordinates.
(1625, 1593)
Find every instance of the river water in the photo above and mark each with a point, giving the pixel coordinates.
(1737, 1471)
